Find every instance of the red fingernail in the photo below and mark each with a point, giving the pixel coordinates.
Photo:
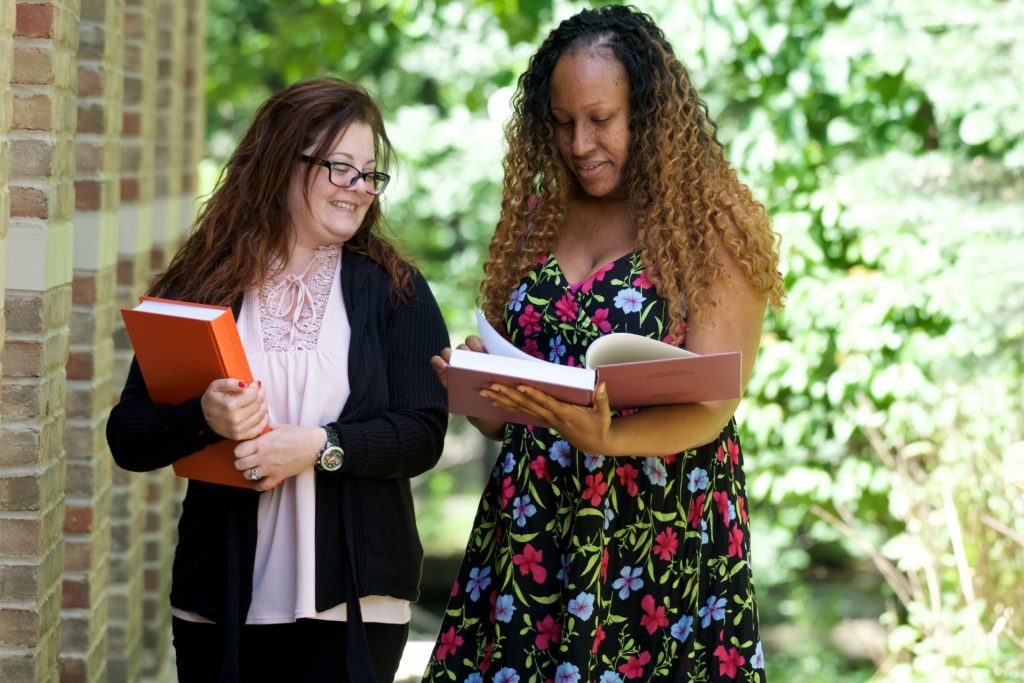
(241, 384)
(259, 383)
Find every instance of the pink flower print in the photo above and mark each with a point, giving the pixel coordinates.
(666, 544)
(722, 503)
(696, 511)
(634, 666)
(734, 452)
(529, 563)
(588, 284)
(455, 589)
(529, 321)
(728, 661)
(485, 663)
(539, 465)
(735, 541)
(530, 348)
(642, 282)
(627, 477)
(668, 459)
(542, 258)
(596, 488)
(741, 503)
(654, 616)
(600, 320)
(449, 642)
(508, 491)
(720, 454)
(598, 638)
(547, 632)
(566, 308)
(604, 565)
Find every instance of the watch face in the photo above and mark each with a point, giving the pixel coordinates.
(331, 459)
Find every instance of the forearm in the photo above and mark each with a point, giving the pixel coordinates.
(664, 430)
(144, 436)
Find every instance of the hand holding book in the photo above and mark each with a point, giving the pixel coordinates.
(637, 370)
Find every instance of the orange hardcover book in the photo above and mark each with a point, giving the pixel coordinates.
(181, 347)
(638, 372)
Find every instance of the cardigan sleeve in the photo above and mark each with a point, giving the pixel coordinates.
(145, 436)
(407, 437)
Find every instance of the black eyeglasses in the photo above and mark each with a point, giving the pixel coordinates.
(346, 175)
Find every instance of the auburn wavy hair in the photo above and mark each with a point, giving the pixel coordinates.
(243, 234)
(684, 196)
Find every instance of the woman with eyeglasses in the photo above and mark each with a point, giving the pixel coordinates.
(614, 545)
(307, 574)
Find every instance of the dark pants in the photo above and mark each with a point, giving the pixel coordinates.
(307, 650)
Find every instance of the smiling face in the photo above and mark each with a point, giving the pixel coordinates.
(589, 99)
(333, 214)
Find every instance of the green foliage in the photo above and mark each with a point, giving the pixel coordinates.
(887, 140)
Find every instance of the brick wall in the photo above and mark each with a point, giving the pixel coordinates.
(101, 128)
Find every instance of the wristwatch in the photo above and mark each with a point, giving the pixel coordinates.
(331, 456)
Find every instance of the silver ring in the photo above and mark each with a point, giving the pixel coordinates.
(254, 474)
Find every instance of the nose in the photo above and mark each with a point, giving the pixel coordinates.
(582, 139)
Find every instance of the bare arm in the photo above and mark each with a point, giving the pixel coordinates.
(733, 325)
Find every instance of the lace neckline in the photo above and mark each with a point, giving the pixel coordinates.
(291, 307)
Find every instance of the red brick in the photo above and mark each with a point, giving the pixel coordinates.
(88, 158)
(34, 21)
(131, 124)
(33, 66)
(129, 192)
(90, 118)
(73, 669)
(29, 202)
(76, 593)
(77, 519)
(21, 537)
(31, 158)
(88, 195)
(90, 80)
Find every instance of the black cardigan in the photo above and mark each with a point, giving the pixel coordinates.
(392, 428)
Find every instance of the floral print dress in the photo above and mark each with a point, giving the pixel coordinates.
(583, 568)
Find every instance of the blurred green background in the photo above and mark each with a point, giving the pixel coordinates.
(887, 141)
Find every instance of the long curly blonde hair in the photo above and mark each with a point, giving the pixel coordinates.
(684, 197)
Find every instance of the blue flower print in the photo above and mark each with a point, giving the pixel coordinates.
(504, 606)
(582, 606)
(655, 470)
(682, 629)
(560, 452)
(703, 531)
(610, 677)
(567, 673)
(557, 349)
(515, 302)
(630, 300)
(593, 462)
(508, 463)
(478, 581)
(698, 480)
(474, 678)
(506, 675)
(609, 514)
(757, 659)
(629, 580)
(715, 609)
(563, 572)
(522, 508)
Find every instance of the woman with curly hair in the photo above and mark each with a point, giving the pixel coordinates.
(304, 571)
(614, 545)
